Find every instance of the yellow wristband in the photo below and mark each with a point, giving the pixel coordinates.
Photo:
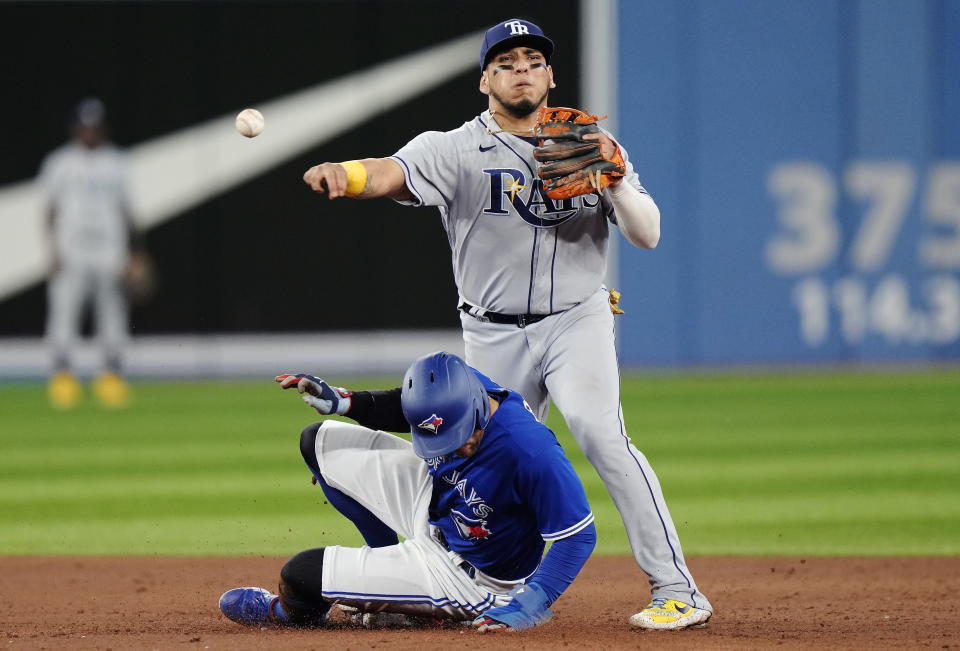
(356, 177)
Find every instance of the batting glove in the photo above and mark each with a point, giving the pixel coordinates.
(317, 393)
(528, 609)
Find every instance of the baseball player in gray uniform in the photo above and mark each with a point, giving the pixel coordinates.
(85, 183)
(529, 270)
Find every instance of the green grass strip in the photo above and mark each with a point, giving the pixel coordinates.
(820, 463)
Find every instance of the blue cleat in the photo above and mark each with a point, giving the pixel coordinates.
(252, 607)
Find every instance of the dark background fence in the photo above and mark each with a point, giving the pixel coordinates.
(267, 256)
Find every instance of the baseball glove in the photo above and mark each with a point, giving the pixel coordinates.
(140, 278)
(569, 165)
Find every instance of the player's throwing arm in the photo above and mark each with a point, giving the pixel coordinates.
(366, 179)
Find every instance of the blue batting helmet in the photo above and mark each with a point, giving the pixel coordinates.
(511, 33)
(444, 402)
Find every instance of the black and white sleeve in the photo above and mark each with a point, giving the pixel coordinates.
(380, 410)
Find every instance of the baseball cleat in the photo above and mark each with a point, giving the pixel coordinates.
(377, 621)
(252, 607)
(112, 390)
(385, 620)
(669, 615)
(64, 390)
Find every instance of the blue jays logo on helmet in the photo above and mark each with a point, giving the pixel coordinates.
(431, 424)
(442, 383)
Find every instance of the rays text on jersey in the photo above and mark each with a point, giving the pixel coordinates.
(506, 185)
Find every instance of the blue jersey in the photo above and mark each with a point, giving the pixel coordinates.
(498, 508)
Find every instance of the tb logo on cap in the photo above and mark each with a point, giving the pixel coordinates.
(516, 28)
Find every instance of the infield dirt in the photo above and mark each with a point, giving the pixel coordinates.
(761, 603)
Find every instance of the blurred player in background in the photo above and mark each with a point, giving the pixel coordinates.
(529, 270)
(93, 250)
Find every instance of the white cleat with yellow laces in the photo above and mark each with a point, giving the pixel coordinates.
(669, 615)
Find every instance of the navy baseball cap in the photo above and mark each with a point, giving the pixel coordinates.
(511, 33)
(90, 112)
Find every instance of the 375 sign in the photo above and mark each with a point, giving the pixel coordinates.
(872, 295)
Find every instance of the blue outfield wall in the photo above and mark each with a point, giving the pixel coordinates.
(806, 160)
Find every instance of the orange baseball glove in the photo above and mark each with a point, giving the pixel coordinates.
(569, 165)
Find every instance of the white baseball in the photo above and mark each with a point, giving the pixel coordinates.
(250, 122)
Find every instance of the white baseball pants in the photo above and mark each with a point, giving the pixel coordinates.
(418, 576)
(70, 290)
(571, 358)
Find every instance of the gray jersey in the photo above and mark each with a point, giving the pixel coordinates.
(514, 249)
(88, 191)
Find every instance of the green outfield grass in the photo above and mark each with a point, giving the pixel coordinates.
(811, 464)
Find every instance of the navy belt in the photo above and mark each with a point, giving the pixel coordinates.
(519, 320)
(463, 565)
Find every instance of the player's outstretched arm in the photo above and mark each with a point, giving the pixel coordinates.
(360, 179)
(317, 393)
(380, 410)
